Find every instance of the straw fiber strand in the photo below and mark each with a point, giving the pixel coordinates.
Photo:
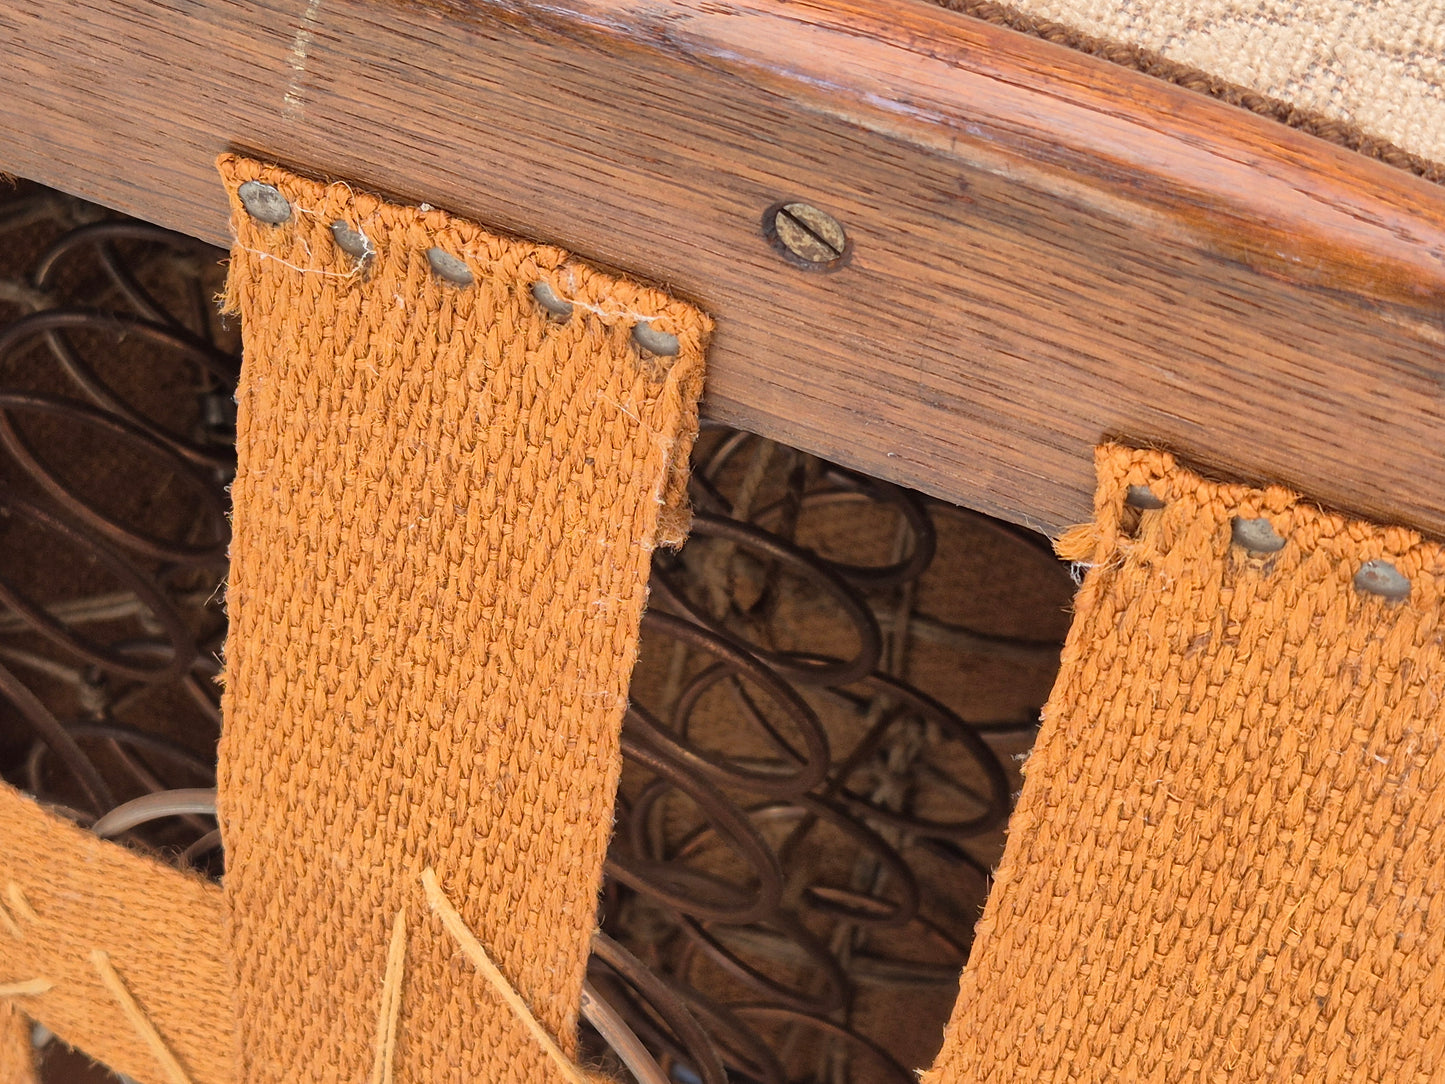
(444, 511)
(1228, 859)
(160, 929)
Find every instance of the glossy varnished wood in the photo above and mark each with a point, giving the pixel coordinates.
(1047, 250)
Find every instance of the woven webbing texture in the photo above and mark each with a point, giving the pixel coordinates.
(444, 511)
(64, 895)
(17, 1057)
(1228, 859)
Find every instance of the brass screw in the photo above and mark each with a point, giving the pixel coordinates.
(808, 237)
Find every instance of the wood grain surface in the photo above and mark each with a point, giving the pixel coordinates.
(1046, 250)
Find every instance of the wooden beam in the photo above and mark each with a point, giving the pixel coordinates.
(1045, 250)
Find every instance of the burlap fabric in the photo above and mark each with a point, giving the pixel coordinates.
(445, 507)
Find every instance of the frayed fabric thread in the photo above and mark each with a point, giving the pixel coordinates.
(26, 988)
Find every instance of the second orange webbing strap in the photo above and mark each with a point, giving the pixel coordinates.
(1228, 860)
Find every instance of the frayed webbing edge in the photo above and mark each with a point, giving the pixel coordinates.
(1078, 544)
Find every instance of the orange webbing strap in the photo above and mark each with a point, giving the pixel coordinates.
(447, 498)
(17, 1056)
(115, 952)
(1228, 860)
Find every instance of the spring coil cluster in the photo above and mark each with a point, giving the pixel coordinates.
(803, 832)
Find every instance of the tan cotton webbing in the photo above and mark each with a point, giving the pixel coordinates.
(444, 513)
(1228, 860)
(17, 1056)
(66, 895)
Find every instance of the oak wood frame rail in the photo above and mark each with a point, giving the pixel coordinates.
(1047, 250)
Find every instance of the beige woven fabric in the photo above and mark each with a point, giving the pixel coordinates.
(1228, 860)
(444, 512)
(1376, 66)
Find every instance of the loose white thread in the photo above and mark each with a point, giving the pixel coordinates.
(598, 310)
(658, 439)
(302, 270)
(472, 949)
(610, 314)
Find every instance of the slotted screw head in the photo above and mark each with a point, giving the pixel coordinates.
(809, 237)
